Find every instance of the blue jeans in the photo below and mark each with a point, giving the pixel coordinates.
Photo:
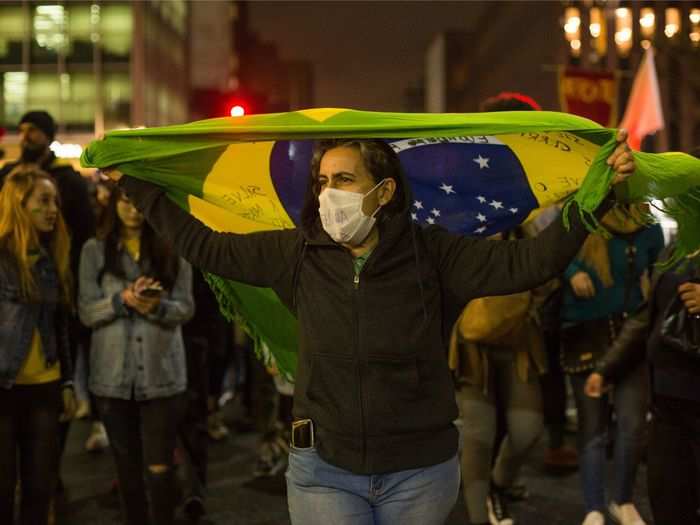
(630, 402)
(319, 493)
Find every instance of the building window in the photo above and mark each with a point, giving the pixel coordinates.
(116, 96)
(82, 32)
(49, 24)
(14, 99)
(117, 28)
(14, 23)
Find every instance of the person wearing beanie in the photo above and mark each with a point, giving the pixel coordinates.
(37, 130)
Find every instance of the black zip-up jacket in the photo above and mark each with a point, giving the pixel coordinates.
(372, 370)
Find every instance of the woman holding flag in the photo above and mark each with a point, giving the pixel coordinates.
(375, 295)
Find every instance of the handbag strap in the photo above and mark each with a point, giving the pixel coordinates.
(630, 281)
(631, 254)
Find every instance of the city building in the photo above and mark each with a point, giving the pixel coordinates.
(94, 65)
(523, 46)
(254, 79)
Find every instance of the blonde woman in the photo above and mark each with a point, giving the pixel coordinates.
(35, 284)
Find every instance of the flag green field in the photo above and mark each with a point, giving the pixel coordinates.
(472, 173)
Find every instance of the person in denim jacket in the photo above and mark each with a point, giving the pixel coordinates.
(135, 294)
(35, 285)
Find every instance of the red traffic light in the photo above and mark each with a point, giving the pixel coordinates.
(237, 110)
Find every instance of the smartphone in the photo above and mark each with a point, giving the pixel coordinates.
(151, 291)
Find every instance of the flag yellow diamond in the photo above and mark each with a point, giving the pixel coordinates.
(321, 114)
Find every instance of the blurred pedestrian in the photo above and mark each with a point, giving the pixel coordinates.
(35, 365)
(671, 350)
(604, 285)
(498, 354)
(206, 334)
(97, 440)
(135, 294)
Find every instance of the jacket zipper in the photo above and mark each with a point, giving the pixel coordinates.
(356, 286)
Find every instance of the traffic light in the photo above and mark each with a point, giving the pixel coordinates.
(237, 110)
(213, 103)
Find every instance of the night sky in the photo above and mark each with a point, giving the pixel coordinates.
(364, 53)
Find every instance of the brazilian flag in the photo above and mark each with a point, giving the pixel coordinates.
(474, 174)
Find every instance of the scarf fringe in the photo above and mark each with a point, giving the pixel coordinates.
(684, 207)
(229, 308)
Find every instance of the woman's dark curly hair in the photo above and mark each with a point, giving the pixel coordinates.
(380, 160)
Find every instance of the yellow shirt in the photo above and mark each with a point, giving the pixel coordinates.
(133, 247)
(34, 370)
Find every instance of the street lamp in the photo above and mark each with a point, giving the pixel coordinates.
(647, 25)
(572, 29)
(623, 30)
(694, 34)
(673, 21)
(598, 30)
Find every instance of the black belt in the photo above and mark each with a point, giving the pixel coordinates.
(303, 435)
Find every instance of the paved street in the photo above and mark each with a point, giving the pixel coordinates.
(235, 498)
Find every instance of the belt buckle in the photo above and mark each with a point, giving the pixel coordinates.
(303, 435)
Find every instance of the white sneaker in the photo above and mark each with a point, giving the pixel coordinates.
(625, 514)
(498, 509)
(594, 518)
(97, 440)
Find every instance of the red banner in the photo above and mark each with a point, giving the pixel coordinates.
(590, 94)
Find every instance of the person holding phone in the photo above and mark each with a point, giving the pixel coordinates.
(135, 294)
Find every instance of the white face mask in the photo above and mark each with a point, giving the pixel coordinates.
(342, 216)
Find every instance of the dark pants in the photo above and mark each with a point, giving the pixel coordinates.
(192, 429)
(79, 337)
(630, 402)
(553, 391)
(142, 437)
(28, 433)
(673, 463)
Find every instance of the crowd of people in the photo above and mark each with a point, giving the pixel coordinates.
(428, 361)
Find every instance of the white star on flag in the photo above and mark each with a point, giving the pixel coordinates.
(447, 189)
(480, 229)
(496, 205)
(430, 220)
(418, 205)
(435, 212)
(414, 216)
(482, 162)
(513, 210)
(481, 199)
(481, 217)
